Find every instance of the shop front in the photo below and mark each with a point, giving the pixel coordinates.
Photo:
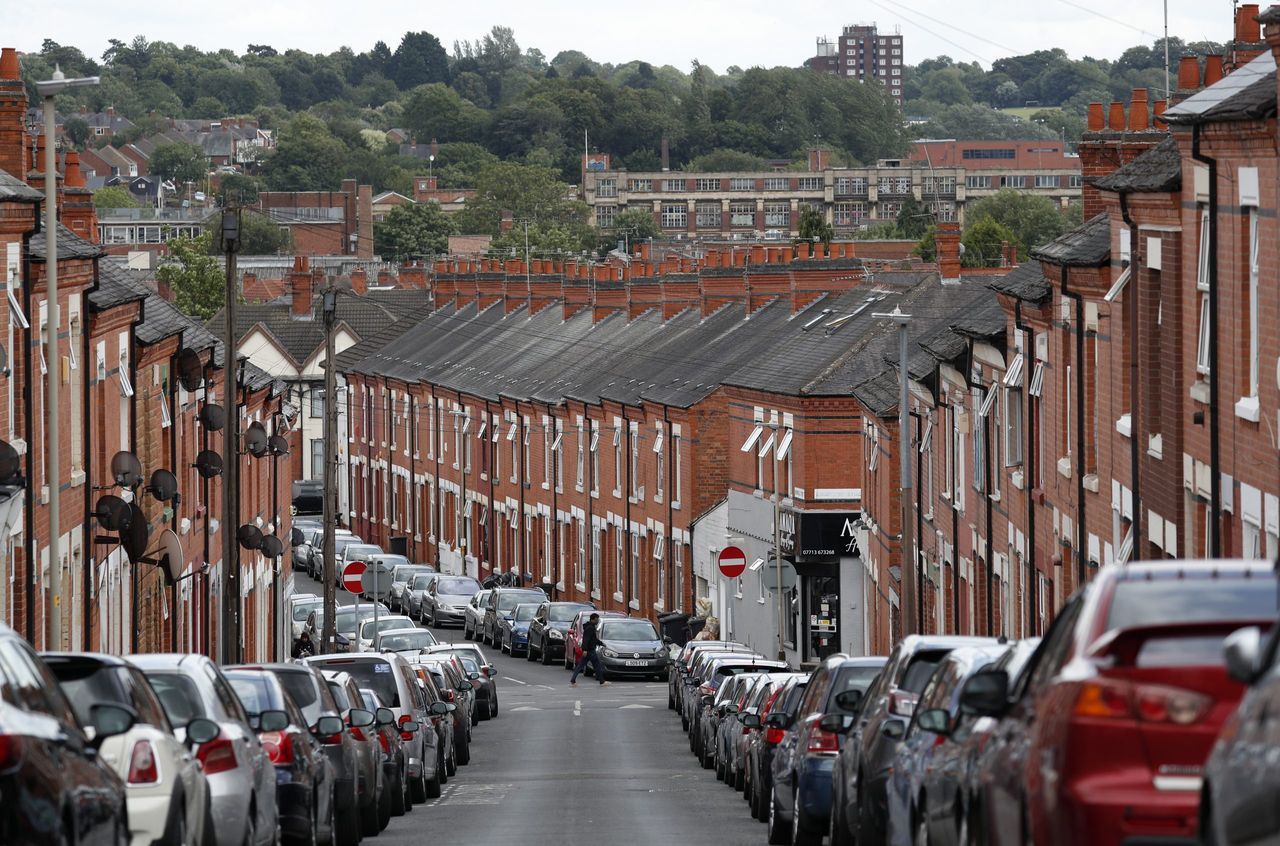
(823, 548)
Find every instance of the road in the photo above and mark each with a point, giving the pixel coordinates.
(566, 765)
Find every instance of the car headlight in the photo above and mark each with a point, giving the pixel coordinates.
(608, 653)
(555, 634)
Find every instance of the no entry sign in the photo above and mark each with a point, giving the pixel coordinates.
(351, 577)
(732, 562)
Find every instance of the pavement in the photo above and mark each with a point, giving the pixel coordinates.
(566, 765)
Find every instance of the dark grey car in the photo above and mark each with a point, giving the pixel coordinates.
(500, 602)
(548, 627)
(486, 686)
(630, 647)
(375, 802)
(401, 575)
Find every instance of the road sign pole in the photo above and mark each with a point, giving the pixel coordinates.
(377, 606)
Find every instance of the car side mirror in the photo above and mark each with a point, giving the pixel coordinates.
(272, 720)
(385, 717)
(777, 720)
(1241, 650)
(849, 700)
(835, 723)
(473, 676)
(439, 708)
(751, 721)
(327, 726)
(359, 718)
(985, 694)
(667, 640)
(201, 731)
(464, 686)
(731, 708)
(108, 720)
(893, 728)
(450, 707)
(936, 720)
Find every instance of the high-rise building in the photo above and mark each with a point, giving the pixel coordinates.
(862, 52)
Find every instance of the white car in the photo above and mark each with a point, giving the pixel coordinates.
(408, 642)
(385, 623)
(165, 788)
(473, 614)
(300, 607)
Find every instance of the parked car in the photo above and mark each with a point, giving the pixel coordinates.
(394, 764)
(486, 686)
(394, 680)
(415, 592)
(751, 705)
(708, 693)
(916, 801)
(347, 620)
(315, 628)
(800, 803)
(433, 683)
(407, 641)
(947, 781)
(456, 689)
(684, 659)
(304, 777)
(375, 802)
(55, 786)
(313, 551)
(1242, 775)
(473, 614)
(768, 729)
(863, 765)
(300, 607)
(371, 627)
(387, 561)
(513, 628)
(1105, 739)
(348, 549)
(573, 637)
(726, 724)
(694, 694)
(501, 601)
(445, 601)
(548, 628)
(401, 575)
(168, 797)
(242, 779)
(631, 647)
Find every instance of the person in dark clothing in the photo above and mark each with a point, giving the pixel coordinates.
(303, 647)
(590, 643)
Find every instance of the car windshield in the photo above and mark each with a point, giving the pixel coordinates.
(377, 674)
(457, 586)
(178, 696)
(563, 613)
(87, 684)
(301, 610)
(920, 669)
(346, 619)
(360, 551)
(256, 692)
(468, 663)
(406, 572)
(627, 630)
(421, 581)
(368, 628)
(525, 612)
(391, 561)
(302, 688)
(507, 601)
(370, 699)
(481, 598)
(403, 641)
(1228, 597)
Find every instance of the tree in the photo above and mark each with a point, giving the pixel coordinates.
(307, 157)
(437, 111)
(77, 130)
(813, 226)
(1031, 219)
(983, 243)
(419, 59)
(529, 192)
(195, 277)
(638, 225)
(259, 235)
(913, 219)
(413, 230)
(114, 197)
(546, 238)
(237, 189)
(179, 162)
(724, 161)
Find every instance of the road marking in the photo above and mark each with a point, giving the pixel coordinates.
(577, 708)
(522, 708)
(517, 681)
(546, 687)
(474, 794)
(646, 707)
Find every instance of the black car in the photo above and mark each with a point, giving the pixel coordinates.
(55, 786)
(501, 602)
(547, 629)
(304, 779)
(776, 717)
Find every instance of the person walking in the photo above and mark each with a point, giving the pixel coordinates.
(302, 647)
(590, 643)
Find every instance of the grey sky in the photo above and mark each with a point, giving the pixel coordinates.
(719, 33)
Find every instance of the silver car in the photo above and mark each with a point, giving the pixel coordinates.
(446, 600)
(401, 575)
(473, 615)
(242, 779)
(416, 592)
(351, 550)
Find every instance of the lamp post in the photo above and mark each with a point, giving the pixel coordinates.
(47, 90)
(229, 651)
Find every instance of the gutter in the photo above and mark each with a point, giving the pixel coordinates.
(133, 447)
(1215, 448)
(177, 500)
(29, 425)
(1131, 302)
(86, 432)
(1081, 553)
(1029, 458)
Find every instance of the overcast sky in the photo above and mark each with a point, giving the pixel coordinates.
(719, 33)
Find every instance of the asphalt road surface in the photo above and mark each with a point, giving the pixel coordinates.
(564, 765)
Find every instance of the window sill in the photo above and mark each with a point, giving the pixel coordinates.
(617, 596)
(580, 586)
(77, 478)
(595, 494)
(578, 488)
(1248, 408)
(546, 486)
(484, 477)
(1125, 425)
(758, 494)
(595, 594)
(634, 605)
(1155, 446)
(1017, 479)
(675, 505)
(560, 586)
(660, 607)
(761, 601)
(1091, 482)
(1064, 467)
(737, 596)
(1200, 391)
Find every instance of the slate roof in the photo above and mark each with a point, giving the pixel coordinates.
(1157, 171)
(1248, 93)
(1088, 245)
(353, 355)
(160, 320)
(115, 286)
(1026, 282)
(984, 320)
(70, 246)
(13, 189)
(1270, 16)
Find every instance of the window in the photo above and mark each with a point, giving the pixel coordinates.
(957, 458)
(635, 567)
(742, 214)
(677, 567)
(414, 438)
(1046, 181)
(581, 463)
(1013, 181)
(546, 453)
(777, 214)
(635, 462)
(1075, 180)
(850, 214)
(431, 428)
(317, 458)
(1012, 427)
(809, 183)
(617, 459)
(659, 549)
(126, 387)
(557, 448)
(595, 558)
(466, 449)
(595, 457)
(524, 455)
(677, 457)
(582, 552)
(1002, 153)
(619, 561)
(606, 216)
(673, 185)
(317, 401)
(606, 187)
(707, 215)
(1252, 387)
(742, 183)
(977, 182)
(660, 469)
(640, 186)
(777, 183)
(979, 440)
(846, 185)
(1202, 285)
(675, 215)
(515, 451)
(939, 185)
(706, 184)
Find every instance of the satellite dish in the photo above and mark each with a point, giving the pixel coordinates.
(271, 546)
(126, 469)
(134, 538)
(255, 440)
(164, 485)
(113, 513)
(213, 417)
(166, 552)
(296, 538)
(249, 536)
(10, 464)
(190, 369)
(208, 464)
(277, 445)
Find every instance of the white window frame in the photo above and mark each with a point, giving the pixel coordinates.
(581, 463)
(126, 386)
(660, 469)
(1013, 421)
(677, 459)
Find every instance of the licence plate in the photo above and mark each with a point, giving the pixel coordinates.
(637, 663)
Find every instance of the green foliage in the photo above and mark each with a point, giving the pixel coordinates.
(419, 59)
(983, 242)
(77, 130)
(914, 218)
(114, 197)
(307, 157)
(416, 230)
(725, 161)
(547, 238)
(180, 162)
(259, 235)
(813, 226)
(531, 193)
(437, 111)
(637, 224)
(236, 189)
(195, 277)
(1032, 220)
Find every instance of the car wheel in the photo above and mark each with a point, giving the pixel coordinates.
(398, 804)
(779, 833)
(433, 786)
(418, 789)
(348, 828)
(464, 752)
(451, 765)
(466, 631)
(493, 707)
(384, 806)
(369, 818)
(251, 829)
(721, 775)
(920, 831)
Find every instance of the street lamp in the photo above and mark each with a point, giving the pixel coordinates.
(47, 90)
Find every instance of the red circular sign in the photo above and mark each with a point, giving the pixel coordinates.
(733, 562)
(351, 577)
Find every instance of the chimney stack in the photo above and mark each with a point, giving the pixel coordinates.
(1248, 30)
(14, 146)
(359, 281)
(666, 154)
(819, 159)
(1213, 71)
(947, 239)
(508, 221)
(300, 288)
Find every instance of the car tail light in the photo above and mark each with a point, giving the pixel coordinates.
(142, 764)
(10, 752)
(902, 704)
(217, 756)
(706, 690)
(773, 736)
(385, 743)
(449, 696)
(823, 741)
(357, 733)
(405, 735)
(1151, 703)
(279, 747)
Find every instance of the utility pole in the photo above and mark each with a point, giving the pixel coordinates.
(230, 646)
(328, 638)
(911, 623)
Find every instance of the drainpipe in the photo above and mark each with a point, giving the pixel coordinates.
(626, 433)
(85, 440)
(1081, 553)
(177, 499)
(987, 470)
(133, 448)
(669, 493)
(522, 532)
(437, 437)
(206, 484)
(413, 473)
(591, 486)
(1215, 448)
(29, 427)
(1131, 303)
(1029, 459)
(919, 511)
(557, 461)
(491, 453)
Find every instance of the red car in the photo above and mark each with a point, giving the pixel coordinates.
(1104, 737)
(573, 637)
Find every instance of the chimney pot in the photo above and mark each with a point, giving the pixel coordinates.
(1212, 69)
(1138, 119)
(1116, 118)
(802, 250)
(1096, 120)
(1248, 29)
(1188, 73)
(9, 64)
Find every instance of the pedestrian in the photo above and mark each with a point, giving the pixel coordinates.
(303, 647)
(590, 643)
